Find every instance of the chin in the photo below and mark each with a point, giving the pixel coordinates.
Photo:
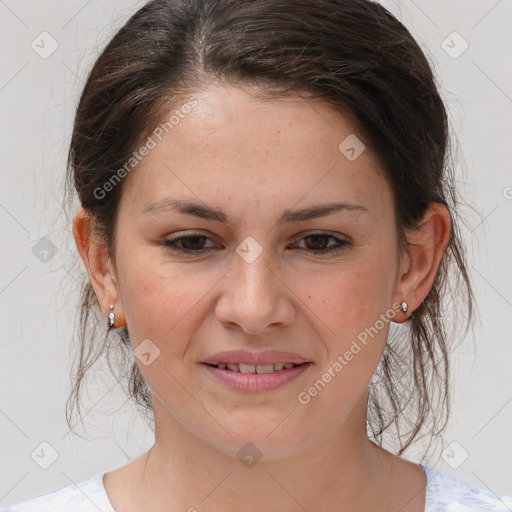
(258, 442)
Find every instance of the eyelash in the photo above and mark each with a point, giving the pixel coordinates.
(172, 244)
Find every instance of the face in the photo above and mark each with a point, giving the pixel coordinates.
(193, 284)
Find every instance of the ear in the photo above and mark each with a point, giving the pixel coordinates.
(99, 266)
(419, 266)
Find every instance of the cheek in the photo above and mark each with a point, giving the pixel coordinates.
(350, 307)
(164, 306)
(161, 301)
(352, 297)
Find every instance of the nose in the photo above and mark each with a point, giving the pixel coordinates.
(254, 298)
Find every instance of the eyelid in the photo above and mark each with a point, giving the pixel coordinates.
(342, 242)
(334, 234)
(299, 236)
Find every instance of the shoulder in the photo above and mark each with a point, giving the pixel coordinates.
(86, 496)
(448, 493)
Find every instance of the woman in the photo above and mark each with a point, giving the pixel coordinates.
(265, 195)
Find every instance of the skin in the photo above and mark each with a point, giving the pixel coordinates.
(253, 158)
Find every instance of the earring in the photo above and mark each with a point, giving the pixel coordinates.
(404, 307)
(111, 316)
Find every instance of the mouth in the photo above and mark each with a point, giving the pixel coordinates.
(242, 377)
(252, 368)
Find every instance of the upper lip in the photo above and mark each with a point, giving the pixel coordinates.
(255, 358)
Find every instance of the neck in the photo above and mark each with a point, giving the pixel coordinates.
(338, 470)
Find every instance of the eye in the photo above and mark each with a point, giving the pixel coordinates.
(189, 244)
(317, 243)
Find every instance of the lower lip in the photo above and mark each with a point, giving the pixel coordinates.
(257, 382)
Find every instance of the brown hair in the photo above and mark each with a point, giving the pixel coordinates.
(352, 54)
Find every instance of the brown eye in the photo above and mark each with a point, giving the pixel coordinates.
(318, 243)
(189, 244)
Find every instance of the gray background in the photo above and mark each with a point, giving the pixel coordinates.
(38, 296)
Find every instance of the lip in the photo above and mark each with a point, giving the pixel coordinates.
(257, 382)
(256, 358)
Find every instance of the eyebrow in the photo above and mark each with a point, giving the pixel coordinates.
(288, 216)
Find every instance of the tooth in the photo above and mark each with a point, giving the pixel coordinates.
(264, 368)
(251, 368)
(247, 368)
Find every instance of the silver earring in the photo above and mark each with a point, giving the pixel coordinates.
(111, 316)
(404, 307)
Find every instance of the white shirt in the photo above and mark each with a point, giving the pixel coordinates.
(445, 493)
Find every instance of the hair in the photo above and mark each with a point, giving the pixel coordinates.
(353, 55)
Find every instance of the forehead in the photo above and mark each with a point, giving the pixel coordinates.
(232, 146)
